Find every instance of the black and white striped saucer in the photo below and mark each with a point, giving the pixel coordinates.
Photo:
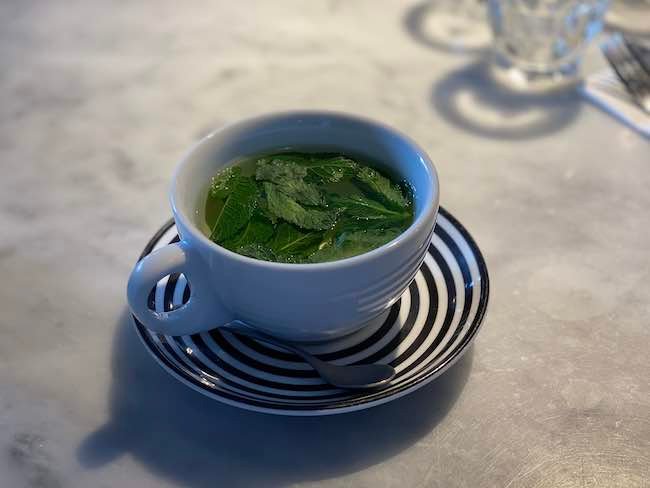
(422, 335)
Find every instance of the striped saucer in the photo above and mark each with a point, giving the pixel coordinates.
(422, 335)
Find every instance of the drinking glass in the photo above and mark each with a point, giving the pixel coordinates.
(538, 44)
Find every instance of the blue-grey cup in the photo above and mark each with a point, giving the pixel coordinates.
(301, 302)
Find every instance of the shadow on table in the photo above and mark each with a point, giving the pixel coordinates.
(452, 26)
(198, 442)
(474, 101)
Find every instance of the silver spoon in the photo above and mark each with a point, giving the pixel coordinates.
(354, 376)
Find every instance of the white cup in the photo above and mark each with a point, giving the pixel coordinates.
(301, 302)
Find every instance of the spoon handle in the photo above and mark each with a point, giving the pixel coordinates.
(241, 328)
(354, 376)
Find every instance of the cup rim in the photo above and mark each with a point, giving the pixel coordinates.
(427, 214)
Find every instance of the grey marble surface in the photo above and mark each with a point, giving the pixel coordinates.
(97, 102)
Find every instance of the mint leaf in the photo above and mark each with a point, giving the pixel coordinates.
(289, 177)
(329, 170)
(276, 170)
(291, 241)
(363, 208)
(350, 244)
(221, 185)
(370, 238)
(263, 210)
(258, 230)
(381, 188)
(286, 208)
(237, 208)
(257, 251)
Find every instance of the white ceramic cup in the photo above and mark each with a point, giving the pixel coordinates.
(302, 302)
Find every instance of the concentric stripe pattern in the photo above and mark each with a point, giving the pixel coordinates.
(421, 335)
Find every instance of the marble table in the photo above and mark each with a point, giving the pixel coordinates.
(98, 101)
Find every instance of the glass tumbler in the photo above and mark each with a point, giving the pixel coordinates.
(538, 44)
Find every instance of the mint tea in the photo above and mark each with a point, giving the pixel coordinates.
(305, 207)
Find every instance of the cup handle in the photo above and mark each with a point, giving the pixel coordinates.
(203, 311)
